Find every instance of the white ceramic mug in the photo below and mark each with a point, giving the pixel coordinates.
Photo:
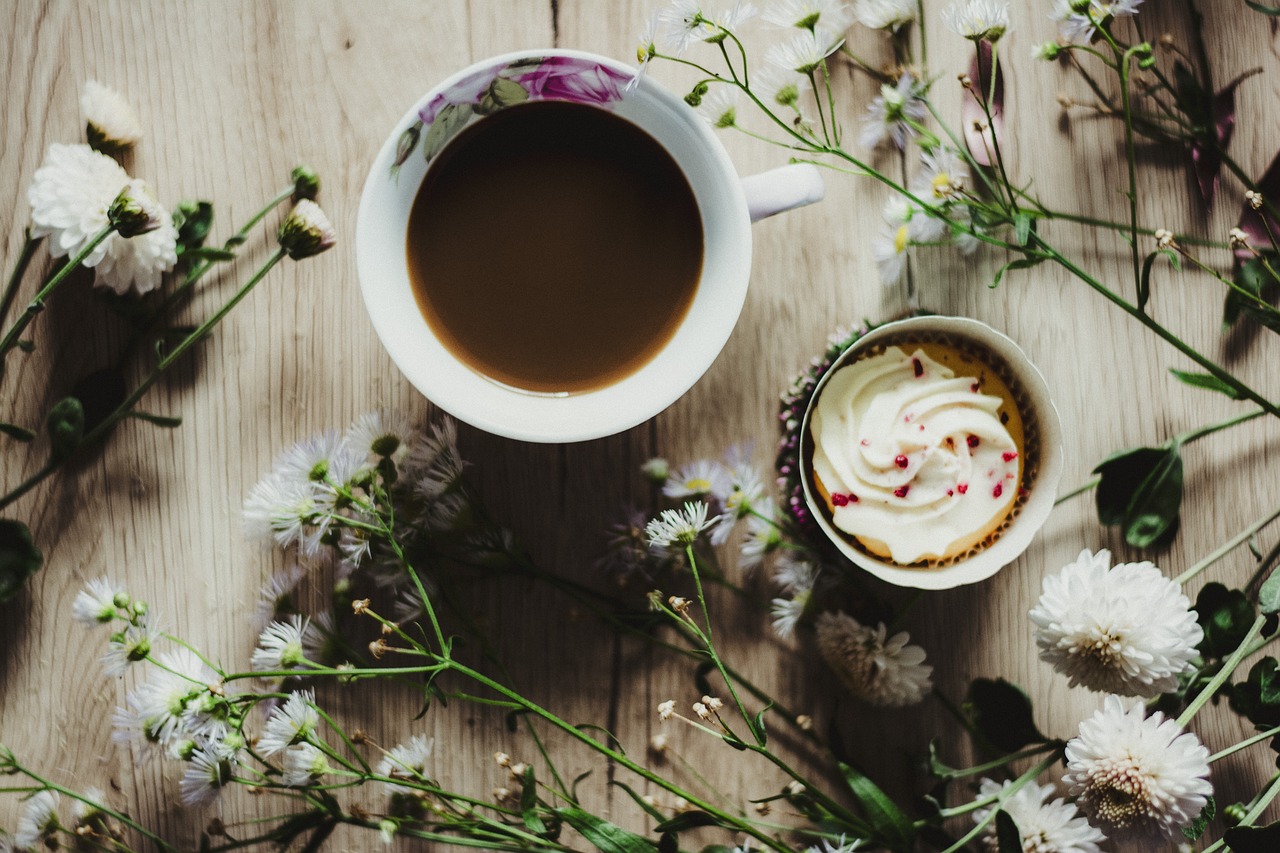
(727, 206)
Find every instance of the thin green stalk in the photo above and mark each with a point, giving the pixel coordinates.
(1259, 806)
(1227, 547)
(1223, 674)
(36, 305)
(996, 764)
(1131, 158)
(997, 801)
(19, 270)
(1245, 744)
(1078, 490)
(709, 642)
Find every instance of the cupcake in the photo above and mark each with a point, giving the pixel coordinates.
(926, 446)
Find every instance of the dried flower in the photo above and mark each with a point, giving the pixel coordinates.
(110, 121)
(1238, 239)
(1137, 778)
(1045, 826)
(701, 710)
(306, 231)
(880, 671)
(666, 709)
(1254, 199)
(1126, 629)
(1164, 239)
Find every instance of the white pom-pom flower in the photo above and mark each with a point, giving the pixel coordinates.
(1046, 826)
(1126, 629)
(110, 119)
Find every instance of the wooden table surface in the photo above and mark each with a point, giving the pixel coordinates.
(232, 95)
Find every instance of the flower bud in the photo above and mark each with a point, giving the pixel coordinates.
(1049, 51)
(306, 231)
(306, 183)
(135, 211)
(657, 470)
(110, 122)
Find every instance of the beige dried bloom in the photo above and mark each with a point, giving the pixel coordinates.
(1164, 239)
(712, 702)
(666, 710)
(502, 759)
(1254, 199)
(701, 711)
(1238, 239)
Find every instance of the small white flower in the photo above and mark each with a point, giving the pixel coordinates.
(729, 20)
(795, 575)
(381, 435)
(804, 53)
(82, 811)
(679, 527)
(833, 16)
(96, 603)
(978, 20)
(275, 597)
(890, 250)
(943, 177)
(840, 846)
(885, 14)
(700, 479)
(891, 114)
(281, 645)
(719, 107)
(111, 121)
(782, 87)
(1081, 27)
(407, 761)
(1045, 827)
(129, 646)
(304, 764)
(681, 24)
(886, 672)
(762, 537)
(787, 612)
(293, 722)
(285, 509)
(1135, 778)
(206, 775)
(38, 821)
(1126, 629)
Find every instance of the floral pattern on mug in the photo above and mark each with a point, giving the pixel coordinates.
(483, 92)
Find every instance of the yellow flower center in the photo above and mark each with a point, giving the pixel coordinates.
(900, 240)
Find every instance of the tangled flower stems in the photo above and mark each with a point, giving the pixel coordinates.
(995, 802)
(1228, 667)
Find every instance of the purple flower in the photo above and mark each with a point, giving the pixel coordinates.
(564, 78)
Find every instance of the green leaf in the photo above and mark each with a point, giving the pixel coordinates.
(640, 801)
(193, 219)
(1122, 472)
(529, 802)
(65, 424)
(1263, 8)
(1022, 228)
(888, 821)
(16, 432)
(1007, 834)
(1001, 712)
(1201, 823)
(158, 420)
(210, 253)
(1207, 381)
(1269, 594)
(1020, 264)
(1225, 615)
(451, 119)
(1258, 697)
(19, 557)
(1153, 511)
(502, 93)
(1253, 839)
(603, 835)
(686, 821)
(762, 737)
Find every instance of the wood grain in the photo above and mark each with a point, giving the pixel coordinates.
(234, 94)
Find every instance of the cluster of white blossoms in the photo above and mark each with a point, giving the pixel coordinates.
(940, 186)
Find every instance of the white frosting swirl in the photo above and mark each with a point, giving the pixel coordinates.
(914, 457)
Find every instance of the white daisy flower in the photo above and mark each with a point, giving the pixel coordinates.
(1081, 27)
(381, 435)
(777, 86)
(701, 479)
(321, 641)
(281, 645)
(943, 177)
(646, 48)
(804, 53)
(886, 672)
(38, 821)
(293, 722)
(82, 812)
(786, 613)
(285, 509)
(1045, 827)
(129, 646)
(833, 16)
(680, 25)
(70, 197)
(890, 250)
(885, 14)
(434, 466)
(407, 761)
(306, 231)
(1137, 778)
(978, 20)
(679, 527)
(719, 107)
(762, 537)
(889, 114)
(1126, 629)
(96, 603)
(275, 597)
(110, 119)
(169, 701)
(839, 846)
(327, 458)
(206, 775)
(304, 764)
(729, 20)
(795, 575)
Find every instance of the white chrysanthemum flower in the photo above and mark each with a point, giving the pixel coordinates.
(833, 16)
(96, 603)
(293, 722)
(130, 646)
(1137, 778)
(804, 52)
(1045, 826)
(886, 672)
(306, 231)
(891, 114)
(1126, 629)
(978, 19)
(281, 645)
(303, 765)
(719, 107)
(111, 121)
(206, 775)
(700, 479)
(679, 527)
(38, 821)
(885, 14)
(407, 761)
(1079, 27)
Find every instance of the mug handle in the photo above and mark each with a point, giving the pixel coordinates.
(781, 189)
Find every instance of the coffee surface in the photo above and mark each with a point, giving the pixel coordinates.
(554, 247)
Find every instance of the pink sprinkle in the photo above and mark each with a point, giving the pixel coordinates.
(950, 492)
(998, 490)
(866, 442)
(973, 440)
(839, 499)
(900, 461)
(974, 387)
(901, 491)
(962, 488)
(917, 367)
(1008, 456)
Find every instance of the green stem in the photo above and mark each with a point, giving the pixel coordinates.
(1078, 490)
(996, 764)
(19, 269)
(1223, 674)
(10, 339)
(997, 801)
(1226, 548)
(709, 642)
(1259, 806)
(1245, 744)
